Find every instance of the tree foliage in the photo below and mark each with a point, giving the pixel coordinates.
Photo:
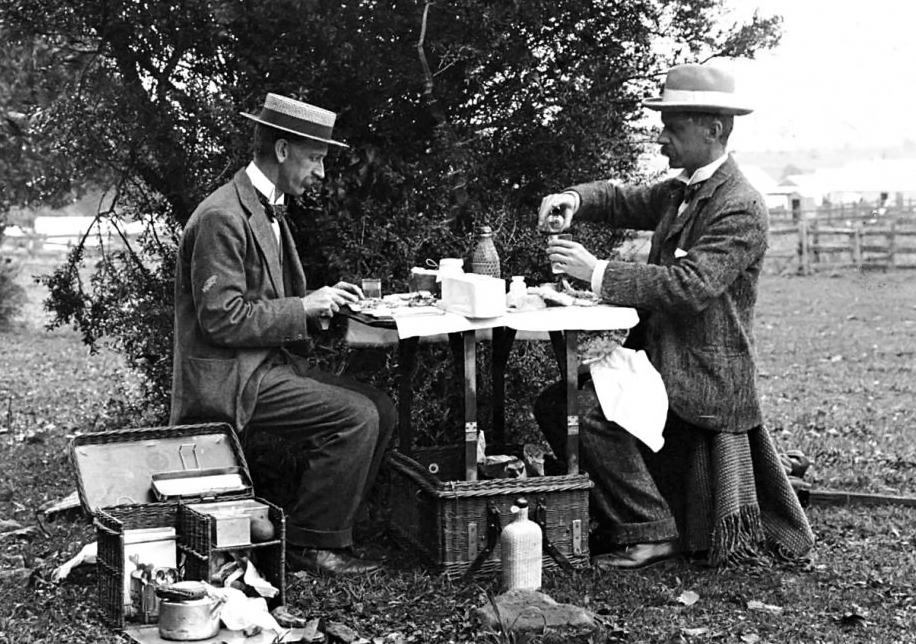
(457, 113)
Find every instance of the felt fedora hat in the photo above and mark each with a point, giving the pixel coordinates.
(698, 88)
(296, 117)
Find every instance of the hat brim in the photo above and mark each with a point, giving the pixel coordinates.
(660, 105)
(291, 131)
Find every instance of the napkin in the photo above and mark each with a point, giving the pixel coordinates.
(631, 393)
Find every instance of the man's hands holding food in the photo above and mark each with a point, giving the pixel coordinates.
(326, 301)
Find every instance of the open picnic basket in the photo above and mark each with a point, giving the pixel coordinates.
(125, 479)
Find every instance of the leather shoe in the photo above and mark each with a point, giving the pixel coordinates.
(637, 555)
(329, 563)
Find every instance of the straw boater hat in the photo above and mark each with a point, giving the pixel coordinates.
(698, 88)
(298, 118)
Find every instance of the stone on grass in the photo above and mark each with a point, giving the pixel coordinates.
(531, 612)
(340, 633)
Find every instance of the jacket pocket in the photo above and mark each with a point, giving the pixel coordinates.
(210, 388)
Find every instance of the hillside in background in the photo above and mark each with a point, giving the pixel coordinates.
(780, 163)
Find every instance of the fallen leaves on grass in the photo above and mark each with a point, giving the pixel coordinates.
(688, 598)
(753, 604)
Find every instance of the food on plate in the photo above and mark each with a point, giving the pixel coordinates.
(528, 302)
(394, 301)
(567, 297)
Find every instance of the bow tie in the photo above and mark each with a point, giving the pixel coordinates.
(691, 191)
(274, 211)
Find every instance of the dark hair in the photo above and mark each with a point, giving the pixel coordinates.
(266, 137)
(708, 118)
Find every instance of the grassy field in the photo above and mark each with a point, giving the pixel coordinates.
(836, 358)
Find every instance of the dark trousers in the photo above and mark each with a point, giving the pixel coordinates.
(339, 429)
(627, 501)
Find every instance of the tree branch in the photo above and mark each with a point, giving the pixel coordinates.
(459, 219)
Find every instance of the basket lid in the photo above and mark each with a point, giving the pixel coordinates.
(117, 467)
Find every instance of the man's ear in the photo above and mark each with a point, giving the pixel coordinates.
(715, 129)
(281, 150)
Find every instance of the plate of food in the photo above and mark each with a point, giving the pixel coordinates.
(398, 305)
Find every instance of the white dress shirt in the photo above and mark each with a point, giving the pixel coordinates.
(267, 188)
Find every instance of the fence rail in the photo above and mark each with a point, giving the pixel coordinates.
(819, 247)
(804, 247)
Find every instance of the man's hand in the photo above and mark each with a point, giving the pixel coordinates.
(572, 258)
(563, 204)
(326, 301)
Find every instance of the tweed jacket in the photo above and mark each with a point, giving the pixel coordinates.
(697, 293)
(232, 309)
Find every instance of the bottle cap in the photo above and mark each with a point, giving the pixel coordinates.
(484, 230)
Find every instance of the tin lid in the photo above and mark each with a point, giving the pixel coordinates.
(116, 468)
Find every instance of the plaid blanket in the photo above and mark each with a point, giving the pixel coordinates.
(735, 501)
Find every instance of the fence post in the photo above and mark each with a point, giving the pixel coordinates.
(891, 244)
(804, 266)
(857, 244)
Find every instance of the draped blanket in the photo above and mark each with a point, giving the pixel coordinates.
(736, 502)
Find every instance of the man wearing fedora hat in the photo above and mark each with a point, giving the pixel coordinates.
(716, 489)
(241, 300)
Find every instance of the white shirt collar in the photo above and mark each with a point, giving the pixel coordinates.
(702, 174)
(263, 185)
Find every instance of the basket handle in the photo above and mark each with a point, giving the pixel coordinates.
(193, 447)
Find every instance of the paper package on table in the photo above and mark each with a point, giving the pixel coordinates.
(474, 296)
(631, 393)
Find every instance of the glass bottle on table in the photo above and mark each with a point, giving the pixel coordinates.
(554, 224)
(484, 257)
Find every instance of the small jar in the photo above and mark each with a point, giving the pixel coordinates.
(450, 266)
(517, 291)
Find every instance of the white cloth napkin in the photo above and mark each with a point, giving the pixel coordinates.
(631, 393)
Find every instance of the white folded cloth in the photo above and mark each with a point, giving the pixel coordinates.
(631, 393)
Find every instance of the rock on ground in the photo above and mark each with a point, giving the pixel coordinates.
(532, 612)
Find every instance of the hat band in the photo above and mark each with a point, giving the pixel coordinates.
(698, 97)
(295, 124)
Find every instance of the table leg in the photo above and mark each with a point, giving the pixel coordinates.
(407, 355)
(557, 340)
(470, 405)
(572, 402)
(503, 337)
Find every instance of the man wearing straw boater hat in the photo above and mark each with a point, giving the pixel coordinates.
(716, 490)
(240, 300)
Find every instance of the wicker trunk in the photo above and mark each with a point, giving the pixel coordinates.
(450, 521)
(115, 471)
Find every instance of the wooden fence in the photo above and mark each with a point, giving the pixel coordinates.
(809, 246)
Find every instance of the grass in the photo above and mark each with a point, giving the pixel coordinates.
(836, 358)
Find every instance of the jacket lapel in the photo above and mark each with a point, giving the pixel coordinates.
(291, 263)
(261, 229)
(707, 190)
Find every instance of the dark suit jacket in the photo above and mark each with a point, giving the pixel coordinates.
(699, 306)
(231, 307)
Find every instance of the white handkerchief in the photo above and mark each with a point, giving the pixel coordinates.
(631, 393)
(679, 252)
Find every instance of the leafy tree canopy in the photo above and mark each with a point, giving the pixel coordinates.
(456, 113)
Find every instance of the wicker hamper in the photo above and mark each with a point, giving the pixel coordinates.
(114, 474)
(204, 557)
(449, 520)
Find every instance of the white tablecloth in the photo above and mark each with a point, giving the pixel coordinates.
(560, 318)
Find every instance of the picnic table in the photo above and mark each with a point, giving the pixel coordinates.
(562, 325)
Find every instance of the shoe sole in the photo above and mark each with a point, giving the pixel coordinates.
(649, 563)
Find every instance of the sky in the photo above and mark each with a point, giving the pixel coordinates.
(844, 75)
